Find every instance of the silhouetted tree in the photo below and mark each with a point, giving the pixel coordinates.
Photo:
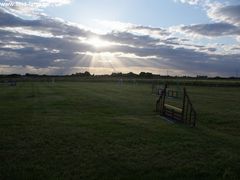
(146, 75)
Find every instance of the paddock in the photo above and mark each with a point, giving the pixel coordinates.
(88, 130)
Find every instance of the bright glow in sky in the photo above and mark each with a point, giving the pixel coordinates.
(98, 42)
(184, 37)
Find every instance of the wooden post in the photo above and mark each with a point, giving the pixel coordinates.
(164, 99)
(183, 107)
(191, 116)
(187, 120)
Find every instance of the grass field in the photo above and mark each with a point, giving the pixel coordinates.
(107, 131)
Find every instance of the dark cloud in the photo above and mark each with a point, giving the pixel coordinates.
(131, 39)
(229, 14)
(226, 21)
(44, 23)
(7, 19)
(215, 29)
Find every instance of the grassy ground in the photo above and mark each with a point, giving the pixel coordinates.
(107, 131)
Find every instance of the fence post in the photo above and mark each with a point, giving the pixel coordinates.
(183, 108)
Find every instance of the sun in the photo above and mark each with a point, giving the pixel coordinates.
(99, 43)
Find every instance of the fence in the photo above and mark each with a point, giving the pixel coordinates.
(186, 114)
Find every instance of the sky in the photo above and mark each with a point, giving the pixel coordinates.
(174, 37)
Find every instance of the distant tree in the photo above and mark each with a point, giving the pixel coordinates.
(87, 74)
(14, 75)
(201, 77)
(217, 77)
(116, 75)
(31, 75)
(146, 75)
(131, 74)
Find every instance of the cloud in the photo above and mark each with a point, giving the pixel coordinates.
(150, 31)
(228, 14)
(43, 23)
(132, 28)
(30, 8)
(52, 46)
(213, 30)
(225, 17)
(191, 2)
(218, 11)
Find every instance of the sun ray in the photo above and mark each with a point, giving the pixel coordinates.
(105, 60)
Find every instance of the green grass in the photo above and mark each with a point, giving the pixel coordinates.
(107, 131)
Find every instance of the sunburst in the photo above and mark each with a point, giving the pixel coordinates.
(99, 43)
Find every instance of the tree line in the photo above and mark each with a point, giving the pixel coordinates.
(143, 75)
